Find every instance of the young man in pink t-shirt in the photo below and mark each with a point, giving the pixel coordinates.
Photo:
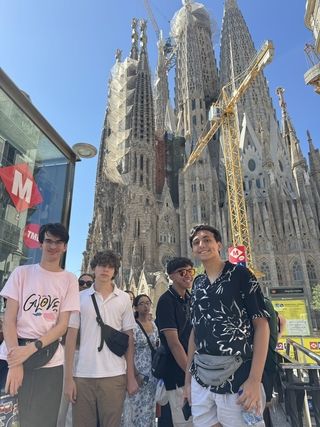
(40, 298)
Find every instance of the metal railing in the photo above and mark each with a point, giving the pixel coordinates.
(300, 385)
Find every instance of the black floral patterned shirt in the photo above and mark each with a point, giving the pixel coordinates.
(222, 314)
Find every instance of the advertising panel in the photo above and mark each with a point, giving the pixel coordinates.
(296, 314)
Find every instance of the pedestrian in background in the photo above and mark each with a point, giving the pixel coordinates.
(65, 412)
(173, 321)
(141, 407)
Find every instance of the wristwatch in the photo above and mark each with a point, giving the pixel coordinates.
(38, 344)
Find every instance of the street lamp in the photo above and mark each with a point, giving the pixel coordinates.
(84, 150)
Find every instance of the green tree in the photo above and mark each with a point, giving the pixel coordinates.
(316, 297)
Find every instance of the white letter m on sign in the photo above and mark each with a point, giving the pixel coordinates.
(20, 190)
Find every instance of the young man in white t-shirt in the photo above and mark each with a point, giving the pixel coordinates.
(40, 298)
(97, 387)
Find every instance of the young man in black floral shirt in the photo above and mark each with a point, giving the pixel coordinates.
(229, 318)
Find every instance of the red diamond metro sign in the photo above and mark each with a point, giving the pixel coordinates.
(21, 186)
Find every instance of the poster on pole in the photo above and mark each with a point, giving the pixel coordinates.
(296, 314)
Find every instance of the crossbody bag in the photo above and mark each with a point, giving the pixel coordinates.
(116, 341)
(153, 350)
(40, 357)
(215, 370)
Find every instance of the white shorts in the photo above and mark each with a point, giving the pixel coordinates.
(210, 408)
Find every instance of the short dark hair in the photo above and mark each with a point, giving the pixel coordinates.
(204, 227)
(178, 262)
(106, 258)
(136, 302)
(86, 274)
(56, 229)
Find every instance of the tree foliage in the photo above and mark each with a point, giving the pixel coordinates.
(316, 297)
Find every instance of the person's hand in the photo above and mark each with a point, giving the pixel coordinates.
(19, 354)
(70, 391)
(187, 393)
(132, 386)
(14, 379)
(250, 397)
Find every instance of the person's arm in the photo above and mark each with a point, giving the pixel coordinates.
(132, 385)
(15, 373)
(282, 325)
(18, 354)
(70, 389)
(176, 347)
(250, 399)
(187, 381)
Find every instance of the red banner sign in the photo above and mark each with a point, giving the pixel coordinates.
(20, 185)
(31, 236)
(237, 254)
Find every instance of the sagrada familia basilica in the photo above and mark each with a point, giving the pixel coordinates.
(145, 204)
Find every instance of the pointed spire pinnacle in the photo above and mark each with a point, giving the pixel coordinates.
(311, 146)
(118, 55)
(230, 4)
(282, 103)
(134, 39)
(143, 35)
(289, 133)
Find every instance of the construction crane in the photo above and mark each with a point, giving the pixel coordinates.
(168, 48)
(224, 115)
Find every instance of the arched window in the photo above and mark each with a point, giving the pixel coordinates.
(312, 276)
(279, 274)
(266, 271)
(297, 272)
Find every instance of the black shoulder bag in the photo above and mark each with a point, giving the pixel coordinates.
(41, 357)
(153, 350)
(116, 341)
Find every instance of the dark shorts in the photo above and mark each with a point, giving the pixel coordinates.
(39, 396)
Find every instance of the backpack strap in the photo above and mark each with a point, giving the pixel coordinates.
(99, 320)
(147, 336)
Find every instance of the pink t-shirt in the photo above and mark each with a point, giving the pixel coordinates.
(42, 296)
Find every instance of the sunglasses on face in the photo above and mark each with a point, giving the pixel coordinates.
(86, 283)
(186, 271)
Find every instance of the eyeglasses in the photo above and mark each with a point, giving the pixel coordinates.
(51, 242)
(86, 283)
(147, 303)
(186, 271)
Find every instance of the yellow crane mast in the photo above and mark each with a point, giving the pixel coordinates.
(225, 116)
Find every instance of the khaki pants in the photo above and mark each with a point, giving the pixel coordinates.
(175, 398)
(99, 397)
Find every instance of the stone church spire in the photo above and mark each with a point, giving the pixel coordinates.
(289, 135)
(134, 39)
(236, 52)
(161, 88)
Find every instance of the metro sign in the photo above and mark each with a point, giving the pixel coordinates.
(237, 255)
(31, 236)
(21, 187)
(313, 345)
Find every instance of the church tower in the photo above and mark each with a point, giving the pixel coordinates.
(125, 210)
(196, 87)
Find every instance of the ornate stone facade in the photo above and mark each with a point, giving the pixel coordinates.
(145, 205)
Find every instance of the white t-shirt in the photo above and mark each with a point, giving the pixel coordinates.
(116, 311)
(42, 296)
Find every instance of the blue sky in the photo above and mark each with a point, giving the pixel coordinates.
(60, 52)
